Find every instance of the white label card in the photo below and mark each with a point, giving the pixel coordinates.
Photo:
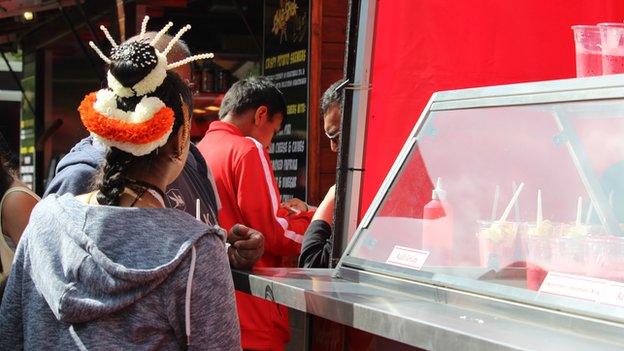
(584, 288)
(579, 287)
(407, 257)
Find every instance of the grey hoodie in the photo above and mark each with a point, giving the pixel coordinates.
(112, 278)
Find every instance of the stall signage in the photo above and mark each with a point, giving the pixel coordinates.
(584, 288)
(27, 134)
(285, 62)
(407, 257)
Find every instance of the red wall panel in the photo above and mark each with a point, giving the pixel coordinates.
(423, 46)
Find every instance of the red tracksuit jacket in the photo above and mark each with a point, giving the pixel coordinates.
(249, 195)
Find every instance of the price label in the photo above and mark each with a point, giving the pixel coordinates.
(584, 288)
(407, 257)
(570, 285)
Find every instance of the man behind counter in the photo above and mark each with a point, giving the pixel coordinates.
(76, 170)
(316, 246)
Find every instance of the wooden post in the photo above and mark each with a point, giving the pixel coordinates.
(327, 46)
(316, 43)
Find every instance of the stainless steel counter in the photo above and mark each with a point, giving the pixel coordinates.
(429, 317)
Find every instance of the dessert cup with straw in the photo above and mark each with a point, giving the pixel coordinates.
(568, 248)
(604, 257)
(497, 239)
(536, 241)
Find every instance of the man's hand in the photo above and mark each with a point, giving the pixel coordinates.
(246, 246)
(295, 206)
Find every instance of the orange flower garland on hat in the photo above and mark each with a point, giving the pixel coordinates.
(120, 131)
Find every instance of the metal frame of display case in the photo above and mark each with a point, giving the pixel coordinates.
(570, 90)
(350, 163)
(426, 316)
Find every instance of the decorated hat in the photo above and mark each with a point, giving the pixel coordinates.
(148, 126)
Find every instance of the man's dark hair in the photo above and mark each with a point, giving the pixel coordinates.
(251, 93)
(333, 95)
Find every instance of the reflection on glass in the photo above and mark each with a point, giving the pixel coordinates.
(479, 224)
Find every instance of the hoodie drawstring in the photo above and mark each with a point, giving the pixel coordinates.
(187, 302)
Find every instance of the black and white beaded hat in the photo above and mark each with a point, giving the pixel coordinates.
(148, 126)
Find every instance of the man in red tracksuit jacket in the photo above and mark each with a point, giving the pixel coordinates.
(235, 149)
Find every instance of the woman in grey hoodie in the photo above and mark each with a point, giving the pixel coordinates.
(113, 269)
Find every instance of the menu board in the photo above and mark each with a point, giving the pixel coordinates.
(285, 62)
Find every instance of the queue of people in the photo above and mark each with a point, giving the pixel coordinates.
(127, 250)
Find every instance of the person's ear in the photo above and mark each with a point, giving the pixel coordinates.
(183, 135)
(177, 144)
(261, 115)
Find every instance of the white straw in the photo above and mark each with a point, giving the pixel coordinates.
(495, 203)
(538, 221)
(198, 210)
(511, 203)
(579, 210)
(517, 204)
(590, 212)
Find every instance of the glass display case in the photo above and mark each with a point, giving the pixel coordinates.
(510, 192)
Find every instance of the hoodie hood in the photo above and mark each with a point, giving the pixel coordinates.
(74, 172)
(87, 152)
(90, 261)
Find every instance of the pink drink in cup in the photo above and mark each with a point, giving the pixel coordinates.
(538, 252)
(613, 64)
(588, 52)
(588, 64)
(538, 257)
(612, 44)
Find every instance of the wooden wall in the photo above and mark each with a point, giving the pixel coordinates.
(328, 36)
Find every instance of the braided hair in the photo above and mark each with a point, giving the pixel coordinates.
(112, 180)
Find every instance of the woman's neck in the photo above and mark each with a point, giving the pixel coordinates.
(154, 176)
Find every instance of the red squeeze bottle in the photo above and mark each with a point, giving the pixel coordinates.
(437, 236)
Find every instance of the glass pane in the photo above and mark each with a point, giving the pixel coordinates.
(572, 153)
